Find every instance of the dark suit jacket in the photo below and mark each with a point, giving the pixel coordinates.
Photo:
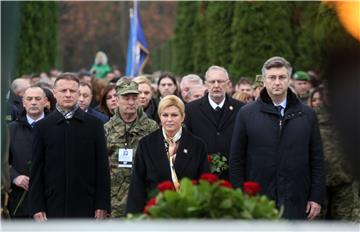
(70, 171)
(152, 165)
(200, 121)
(104, 118)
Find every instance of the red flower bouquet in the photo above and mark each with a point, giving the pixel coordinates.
(209, 197)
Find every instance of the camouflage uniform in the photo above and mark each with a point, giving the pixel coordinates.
(115, 134)
(302, 76)
(343, 201)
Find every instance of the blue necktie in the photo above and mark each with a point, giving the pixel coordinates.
(278, 109)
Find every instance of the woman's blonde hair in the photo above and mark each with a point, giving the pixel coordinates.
(142, 80)
(171, 100)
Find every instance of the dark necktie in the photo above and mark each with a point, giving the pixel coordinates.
(32, 124)
(217, 109)
(278, 109)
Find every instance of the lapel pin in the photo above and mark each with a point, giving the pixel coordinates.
(231, 107)
(185, 151)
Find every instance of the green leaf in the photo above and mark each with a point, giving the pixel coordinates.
(171, 196)
(226, 204)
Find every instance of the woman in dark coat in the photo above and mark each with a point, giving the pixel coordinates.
(169, 153)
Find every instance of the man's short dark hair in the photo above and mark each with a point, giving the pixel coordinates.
(82, 74)
(67, 76)
(245, 81)
(276, 62)
(85, 84)
(34, 75)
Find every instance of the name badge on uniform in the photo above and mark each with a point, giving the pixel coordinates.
(125, 158)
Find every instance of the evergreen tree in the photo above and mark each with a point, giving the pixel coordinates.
(161, 58)
(183, 41)
(199, 40)
(38, 37)
(307, 49)
(261, 30)
(219, 16)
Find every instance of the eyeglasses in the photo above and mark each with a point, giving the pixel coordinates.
(212, 82)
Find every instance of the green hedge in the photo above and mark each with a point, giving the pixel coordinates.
(37, 46)
(241, 35)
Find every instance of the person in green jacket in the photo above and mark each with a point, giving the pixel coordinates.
(100, 67)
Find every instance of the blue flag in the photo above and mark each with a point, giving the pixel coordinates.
(138, 53)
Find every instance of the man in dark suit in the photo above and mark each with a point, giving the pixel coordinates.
(70, 172)
(212, 117)
(276, 142)
(21, 139)
(85, 101)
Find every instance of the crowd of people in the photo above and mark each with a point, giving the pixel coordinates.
(94, 144)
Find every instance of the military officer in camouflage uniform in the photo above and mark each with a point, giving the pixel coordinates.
(123, 132)
(301, 83)
(343, 201)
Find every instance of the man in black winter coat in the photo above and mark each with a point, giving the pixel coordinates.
(276, 142)
(21, 139)
(70, 171)
(212, 117)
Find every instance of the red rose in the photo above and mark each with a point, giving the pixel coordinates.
(251, 188)
(209, 158)
(194, 182)
(211, 178)
(226, 184)
(166, 185)
(150, 203)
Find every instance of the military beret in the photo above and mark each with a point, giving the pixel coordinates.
(258, 81)
(301, 76)
(126, 86)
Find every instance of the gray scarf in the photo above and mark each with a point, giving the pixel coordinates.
(70, 113)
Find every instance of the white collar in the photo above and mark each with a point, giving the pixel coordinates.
(30, 120)
(214, 105)
(283, 103)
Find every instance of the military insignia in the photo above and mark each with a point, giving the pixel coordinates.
(185, 151)
(231, 107)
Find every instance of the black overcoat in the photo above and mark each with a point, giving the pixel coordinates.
(200, 121)
(70, 170)
(20, 153)
(288, 162)
(151, 165)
